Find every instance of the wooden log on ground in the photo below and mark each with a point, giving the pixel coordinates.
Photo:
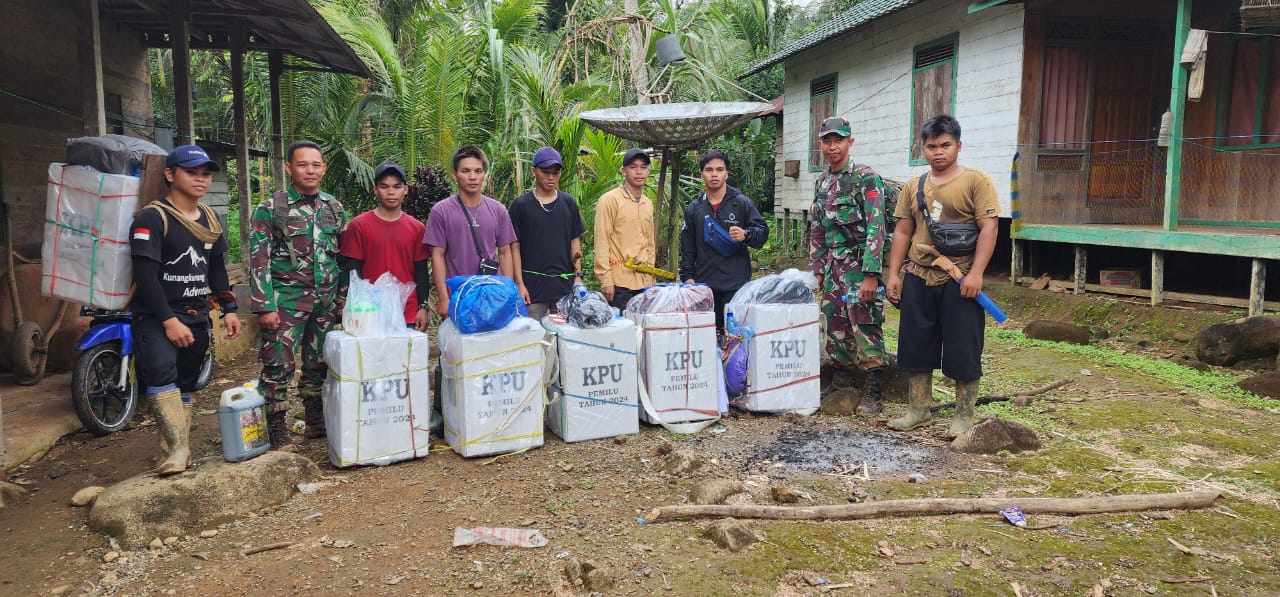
(1003, 397)
(933, 506)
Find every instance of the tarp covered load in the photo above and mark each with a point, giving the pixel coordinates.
(377, 398)
(85, 254)
(679, 363)
(598, 393)
(112, 154)
(783, 350)
(483, 303)
(492, 388)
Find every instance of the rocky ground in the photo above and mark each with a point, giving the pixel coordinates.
(1128, 421)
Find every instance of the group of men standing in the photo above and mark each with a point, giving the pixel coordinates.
(302, 245)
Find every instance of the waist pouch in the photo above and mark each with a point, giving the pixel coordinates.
(953, 239)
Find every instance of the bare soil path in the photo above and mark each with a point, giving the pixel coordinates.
(1121, 426)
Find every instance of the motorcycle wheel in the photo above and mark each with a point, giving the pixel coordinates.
(102, 406)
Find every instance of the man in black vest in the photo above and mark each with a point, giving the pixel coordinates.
(718, 227)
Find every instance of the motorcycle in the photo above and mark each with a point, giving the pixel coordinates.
(104, 389)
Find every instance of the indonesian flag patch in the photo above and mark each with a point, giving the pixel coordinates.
(141, 234)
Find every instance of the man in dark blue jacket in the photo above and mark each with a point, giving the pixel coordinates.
(718, 227)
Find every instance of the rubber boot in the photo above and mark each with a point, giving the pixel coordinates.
(872, 394)
(188, 405)
(313, 415)
(966, 397)
(172, 421)
(278, 428)
(920, 393)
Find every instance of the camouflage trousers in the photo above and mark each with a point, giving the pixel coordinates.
(853, 329)
(299, 335)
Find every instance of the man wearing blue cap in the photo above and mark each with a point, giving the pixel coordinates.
(719, 226)
(179, 267)
(548, 252)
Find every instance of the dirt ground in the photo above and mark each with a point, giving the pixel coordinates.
(1129, 422)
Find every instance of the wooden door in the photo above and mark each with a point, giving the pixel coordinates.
(1128, 101)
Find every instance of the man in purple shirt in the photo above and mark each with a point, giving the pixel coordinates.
(469, 233)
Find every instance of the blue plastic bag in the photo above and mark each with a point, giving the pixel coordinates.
(734, 358)
(483, 303)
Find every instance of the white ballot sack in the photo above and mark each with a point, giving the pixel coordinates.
(377, 398)
(599, 392)
(85, 255)
(678, 365)
(783, 357)
(491, 390)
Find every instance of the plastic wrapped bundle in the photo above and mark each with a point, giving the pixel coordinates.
(85, 254)
(585, 309)
(376, 308)
(673, 298)
(112, 154)
(377, 397)
(483, 303)
(791, 287)
(492, 388)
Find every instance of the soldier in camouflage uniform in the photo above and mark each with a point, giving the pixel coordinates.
(847, 242)
(297, 287)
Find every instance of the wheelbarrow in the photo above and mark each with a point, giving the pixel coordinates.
(30, 343)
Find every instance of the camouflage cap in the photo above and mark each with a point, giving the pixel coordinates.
(835, 126)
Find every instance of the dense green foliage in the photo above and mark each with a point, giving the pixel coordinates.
(507, 76)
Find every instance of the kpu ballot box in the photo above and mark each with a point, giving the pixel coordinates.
(492, 388)
(679, 365)
(598, 394)
(783, 357)
(377, 398)
(85, 255)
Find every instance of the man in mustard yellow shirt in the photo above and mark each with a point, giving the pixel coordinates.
(624, 230)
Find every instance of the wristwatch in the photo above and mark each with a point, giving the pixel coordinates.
(424, 306)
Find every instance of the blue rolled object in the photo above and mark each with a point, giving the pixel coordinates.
(718, 238)
(483, 303)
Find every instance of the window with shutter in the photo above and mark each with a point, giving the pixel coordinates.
(822, 105)
(933, 87)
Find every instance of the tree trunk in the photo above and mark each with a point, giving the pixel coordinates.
(637, 50)
(929, 506)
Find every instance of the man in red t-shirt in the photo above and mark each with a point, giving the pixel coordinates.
(386, 240)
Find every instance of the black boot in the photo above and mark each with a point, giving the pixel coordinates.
(872, 394)
(278, 428)
(313, 415)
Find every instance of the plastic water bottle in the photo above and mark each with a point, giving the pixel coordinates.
(730, 324)
(580, 291)
(852, 297)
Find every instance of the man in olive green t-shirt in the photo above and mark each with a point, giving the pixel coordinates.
(941, 325)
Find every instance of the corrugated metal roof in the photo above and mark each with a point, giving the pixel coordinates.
(292, 26)
(860, 14)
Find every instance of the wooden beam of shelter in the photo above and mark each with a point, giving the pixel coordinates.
(89, 33)
(181, 72)
(239, 39)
